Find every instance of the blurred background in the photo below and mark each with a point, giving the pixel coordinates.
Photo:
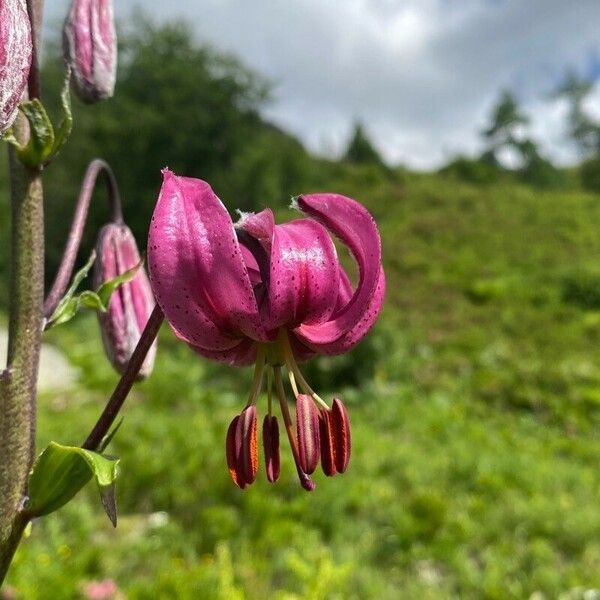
(471, 131)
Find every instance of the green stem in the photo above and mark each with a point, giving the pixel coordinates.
(19, 381)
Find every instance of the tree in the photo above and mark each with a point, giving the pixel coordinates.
(583, 129)
(505, 122)
(178, 104)
(360, 149)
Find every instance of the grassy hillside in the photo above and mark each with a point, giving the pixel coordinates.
(475, 406)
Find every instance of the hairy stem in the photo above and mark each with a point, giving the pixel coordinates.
(19, 382)
(115, 402)
(63, 276)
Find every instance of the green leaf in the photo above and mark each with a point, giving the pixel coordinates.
(68, 310)
(45, 140)
(69, 305)
(41, 142)
(63, 131)
(106, 290)
(61, 471)
(91, 300)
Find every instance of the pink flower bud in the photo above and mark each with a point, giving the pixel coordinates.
(130, 305)
(15, 58)
(90, 47)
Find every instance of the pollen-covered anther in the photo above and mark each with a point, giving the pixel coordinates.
(307, 427)
(327, 445)
(232, 452)
(340, 429)
(271, 447)
(246, 441)
(241, 448)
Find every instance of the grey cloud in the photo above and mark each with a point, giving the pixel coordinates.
(421, 73)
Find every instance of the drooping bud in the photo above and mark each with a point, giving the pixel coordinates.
(15, 58)
(307, 426)
(327, 445)
(340, 427)
(271, 447)
(131, 303)
(90, 48)
(246, 445)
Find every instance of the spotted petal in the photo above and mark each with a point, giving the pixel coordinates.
(196, 267)
(303, 278)
(349, 339)
(353, 225)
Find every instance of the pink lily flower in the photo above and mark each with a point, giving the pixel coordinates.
(272, 295)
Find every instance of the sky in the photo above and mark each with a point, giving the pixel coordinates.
(422, 75)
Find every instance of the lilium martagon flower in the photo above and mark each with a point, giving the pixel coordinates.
(273, 296)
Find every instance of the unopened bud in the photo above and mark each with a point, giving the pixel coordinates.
(90, 48)
(131, 303)
(15, 58)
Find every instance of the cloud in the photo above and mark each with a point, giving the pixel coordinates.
(422, 74)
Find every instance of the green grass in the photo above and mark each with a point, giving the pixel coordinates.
(475, 407)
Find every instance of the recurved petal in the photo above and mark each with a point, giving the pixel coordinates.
(197, 271)
(353, 225)
(349, 339)
(304, 275)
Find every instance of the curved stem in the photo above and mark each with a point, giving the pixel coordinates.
(63, 276)
(115, 402)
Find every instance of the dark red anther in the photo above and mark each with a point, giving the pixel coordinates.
(327, 446)
(340, 428)
(232, 451)
(271, 447)
(307, 427)
(246, 441)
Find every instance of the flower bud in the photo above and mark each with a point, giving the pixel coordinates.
(15, 58)
(131, 303)
(90, 48)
